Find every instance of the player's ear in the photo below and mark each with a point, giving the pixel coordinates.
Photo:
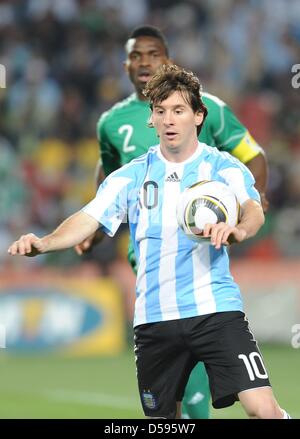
(199, 118)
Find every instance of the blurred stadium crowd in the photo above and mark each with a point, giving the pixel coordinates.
(64, 68)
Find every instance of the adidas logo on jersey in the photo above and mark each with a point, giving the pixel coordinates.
(173, 177)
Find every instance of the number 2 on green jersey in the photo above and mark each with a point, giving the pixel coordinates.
(128, 129)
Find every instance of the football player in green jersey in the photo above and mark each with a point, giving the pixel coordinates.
(123, 134)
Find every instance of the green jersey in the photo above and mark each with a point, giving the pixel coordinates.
(123, 133)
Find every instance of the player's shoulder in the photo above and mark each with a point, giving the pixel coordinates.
(123, 105)
(144, 159)
(213, 154)
(209, 150)
(117, 109)
(222, 159)
(136, 168)
(212, 101)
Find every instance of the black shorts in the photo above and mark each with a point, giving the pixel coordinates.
(166, 352)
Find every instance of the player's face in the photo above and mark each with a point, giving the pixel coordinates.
(175, 123)
(144, 56)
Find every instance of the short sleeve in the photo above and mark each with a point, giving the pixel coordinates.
(110, 206)
(239, 179)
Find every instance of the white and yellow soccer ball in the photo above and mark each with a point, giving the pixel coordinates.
(206, 202)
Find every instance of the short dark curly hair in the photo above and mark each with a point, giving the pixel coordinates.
(170, 78)
(146, 30)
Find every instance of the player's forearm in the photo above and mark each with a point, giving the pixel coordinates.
(252, 218)
(71, 232)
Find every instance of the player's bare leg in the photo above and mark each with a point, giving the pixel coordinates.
(178, 410)
(260, 403)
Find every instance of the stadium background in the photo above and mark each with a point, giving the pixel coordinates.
(65, 320)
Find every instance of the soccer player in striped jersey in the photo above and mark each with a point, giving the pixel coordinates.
(123, 135)
(188, 307)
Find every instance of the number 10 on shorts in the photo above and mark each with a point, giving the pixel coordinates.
(252, 367)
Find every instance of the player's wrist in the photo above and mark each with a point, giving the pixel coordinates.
(242, 233)
(46, 244)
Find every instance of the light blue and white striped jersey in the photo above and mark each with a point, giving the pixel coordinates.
(177, 277)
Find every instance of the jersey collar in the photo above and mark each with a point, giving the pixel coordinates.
(139, 101)
(194, 156)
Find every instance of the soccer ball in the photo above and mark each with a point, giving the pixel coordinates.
(206, 202)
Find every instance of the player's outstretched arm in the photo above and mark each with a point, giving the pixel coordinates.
(251, 221)
(72, 231)
(87, 244)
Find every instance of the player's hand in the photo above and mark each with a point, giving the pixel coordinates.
(28, 245)
(223, 234)
(87, 245)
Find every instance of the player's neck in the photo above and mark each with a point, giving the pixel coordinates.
(180, 153)
(141, 97)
